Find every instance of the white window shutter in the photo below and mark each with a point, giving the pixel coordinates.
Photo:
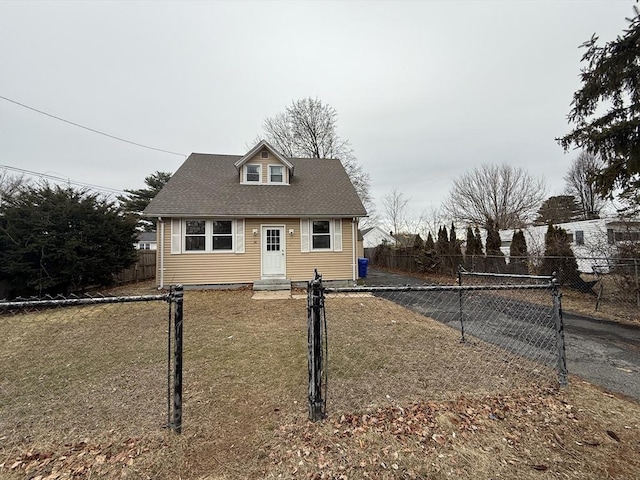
(304, 234)
(240, 235)
(176, 235)
(337, 235)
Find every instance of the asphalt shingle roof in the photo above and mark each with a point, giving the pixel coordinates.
(208, 185)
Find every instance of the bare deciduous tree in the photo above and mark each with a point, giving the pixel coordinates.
(581, 183)
(395, 212)
(506, 195)
(308, 128)
(431, 220)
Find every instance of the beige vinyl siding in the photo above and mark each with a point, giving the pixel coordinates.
(221, 268)
(332, 265)
(209, 268)
(265, 162)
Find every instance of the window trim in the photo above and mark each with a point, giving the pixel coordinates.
(312, 235)
(208, 236)
(246, 173)
(281, 167)
(185, 235)
(231, 234)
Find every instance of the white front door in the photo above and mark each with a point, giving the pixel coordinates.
(273, 252)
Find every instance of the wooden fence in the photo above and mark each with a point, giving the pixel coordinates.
(143, 269)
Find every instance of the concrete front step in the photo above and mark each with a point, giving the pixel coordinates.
(272, 284)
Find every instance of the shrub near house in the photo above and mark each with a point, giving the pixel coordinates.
(68, 240)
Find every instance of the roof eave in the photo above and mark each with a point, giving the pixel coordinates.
(263, 144)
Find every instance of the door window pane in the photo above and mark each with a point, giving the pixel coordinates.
(273, 240)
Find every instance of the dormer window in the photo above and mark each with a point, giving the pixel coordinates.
(252, 173)
(276, 174)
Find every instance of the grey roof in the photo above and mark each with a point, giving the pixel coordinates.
(209, 185)
(147, 236)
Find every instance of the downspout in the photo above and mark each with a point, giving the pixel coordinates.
(354, 242)
(161, 269)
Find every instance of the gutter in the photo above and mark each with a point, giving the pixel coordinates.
(354, 243)
(161, 269)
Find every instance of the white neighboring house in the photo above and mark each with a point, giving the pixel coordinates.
(592, 241)
(374, 236)
(146, 241)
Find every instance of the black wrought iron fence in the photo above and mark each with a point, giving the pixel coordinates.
(415, 342)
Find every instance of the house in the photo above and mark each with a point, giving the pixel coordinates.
(593, 241)
(146, 241)
(374, 236)
(255, 218)
(408, 240)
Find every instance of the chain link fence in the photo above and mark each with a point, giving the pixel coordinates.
(384, 343)
(603, 287)
(79, 369)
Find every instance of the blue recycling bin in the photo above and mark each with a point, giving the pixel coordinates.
(363, 264)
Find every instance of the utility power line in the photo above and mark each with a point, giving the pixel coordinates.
(64, 180)
(92, 129)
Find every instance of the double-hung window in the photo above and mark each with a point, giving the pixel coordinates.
(208, 235)
(222, 231)
(276, 174)
(252, 173)
(195, 235)
(321, 235)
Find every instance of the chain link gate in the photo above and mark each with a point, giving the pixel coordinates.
(511, 331)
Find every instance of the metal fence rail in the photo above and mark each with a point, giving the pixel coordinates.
(488, 338)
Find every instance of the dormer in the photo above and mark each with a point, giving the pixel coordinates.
(263, 165)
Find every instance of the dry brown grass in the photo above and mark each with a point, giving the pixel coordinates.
(82, 394)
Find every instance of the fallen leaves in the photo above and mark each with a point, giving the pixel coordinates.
(78, 459)
(538, 429)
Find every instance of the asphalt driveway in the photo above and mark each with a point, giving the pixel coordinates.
(604, 353)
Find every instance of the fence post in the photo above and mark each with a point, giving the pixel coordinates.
(178, 297)
(559, 324)
(635, 264)
(461, 311)
(315, 305)
(170, 301)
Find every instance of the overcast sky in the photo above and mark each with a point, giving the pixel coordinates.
(424, 90)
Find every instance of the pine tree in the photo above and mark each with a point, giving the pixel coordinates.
(471, 243)
(605, 113)
(495, 257)
(518, 253)
(68, 240)
(135, 201)
(479, 247)
(454, 248)
(493, 239)
(442, 244)
(558, 256)
(429, 245)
